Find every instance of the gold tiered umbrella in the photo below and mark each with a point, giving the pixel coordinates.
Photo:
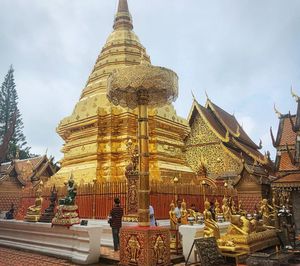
(142, 86)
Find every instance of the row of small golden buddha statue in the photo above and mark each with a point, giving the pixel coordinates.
(246, 231)
(65, 214)
(181, 215)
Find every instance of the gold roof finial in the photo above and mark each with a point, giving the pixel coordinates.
(207, 95)
(260, 144)
(277, 112)
(295, 96)
(238, 130)
(193, 95)
(123, 18)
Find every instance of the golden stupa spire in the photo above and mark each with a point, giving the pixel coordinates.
(123, 18)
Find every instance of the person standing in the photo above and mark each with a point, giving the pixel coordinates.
(178, 211)
(116, 222)
(152, 217)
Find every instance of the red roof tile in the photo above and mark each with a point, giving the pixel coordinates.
(287, 136)
(291, 178)
(285, 163)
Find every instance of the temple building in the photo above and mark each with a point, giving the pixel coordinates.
(287, 163)
(220, 145)
(19, 174)
(96, 132)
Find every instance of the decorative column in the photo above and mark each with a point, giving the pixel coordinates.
(141, 86)
(132, 175)
(144, 189)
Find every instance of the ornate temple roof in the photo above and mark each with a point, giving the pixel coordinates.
(230, 123)
(229, 131)
(288, 149)
(287, 181)
(27, 170)
(285, 133)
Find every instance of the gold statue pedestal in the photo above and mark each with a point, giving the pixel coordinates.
(147, 246)
(132, 218)
(66, 215)
(32, 217)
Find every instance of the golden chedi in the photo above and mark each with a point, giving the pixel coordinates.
(33, 213)
(96, 132)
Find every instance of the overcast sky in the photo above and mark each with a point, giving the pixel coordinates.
(245, 54)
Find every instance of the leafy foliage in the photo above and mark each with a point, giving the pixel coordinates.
(8, 107)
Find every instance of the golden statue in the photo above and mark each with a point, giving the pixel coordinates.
(218, 210)
(211, 228)
(159, 250)
(232, 207)
(267, 213)
(33, 213)
(133, 247)
(173, 226)
(184, 213)
(173, 218)
(243, 236)
(226, 210)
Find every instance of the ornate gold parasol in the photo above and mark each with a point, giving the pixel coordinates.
(142, 86)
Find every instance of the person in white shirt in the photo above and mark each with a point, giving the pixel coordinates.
(178, 210)
(152, 218)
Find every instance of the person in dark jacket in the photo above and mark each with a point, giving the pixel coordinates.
(116, 222)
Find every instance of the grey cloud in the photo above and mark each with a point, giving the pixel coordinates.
(244, 53)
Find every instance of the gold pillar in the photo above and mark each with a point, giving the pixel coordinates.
(144, 188)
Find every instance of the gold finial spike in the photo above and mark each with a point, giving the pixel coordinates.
(193, 95)
(295, 96)
(123, 6)
(123, 18)
(260, 144)
(238, 130)
(277, 112)
(207, 95)
(227, 136)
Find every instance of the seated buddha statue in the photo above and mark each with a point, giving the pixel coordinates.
(36, 208)
(173, 218)
(34, 211)
(211, 228)
(232, 207)
(226, 210)
(184, 213)
(218, 210)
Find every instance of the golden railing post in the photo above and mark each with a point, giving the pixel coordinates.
(203, 183)
(175, 180)
(225, 189)
(94, 197)
(144, 188)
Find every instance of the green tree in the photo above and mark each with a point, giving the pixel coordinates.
(8, 107)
